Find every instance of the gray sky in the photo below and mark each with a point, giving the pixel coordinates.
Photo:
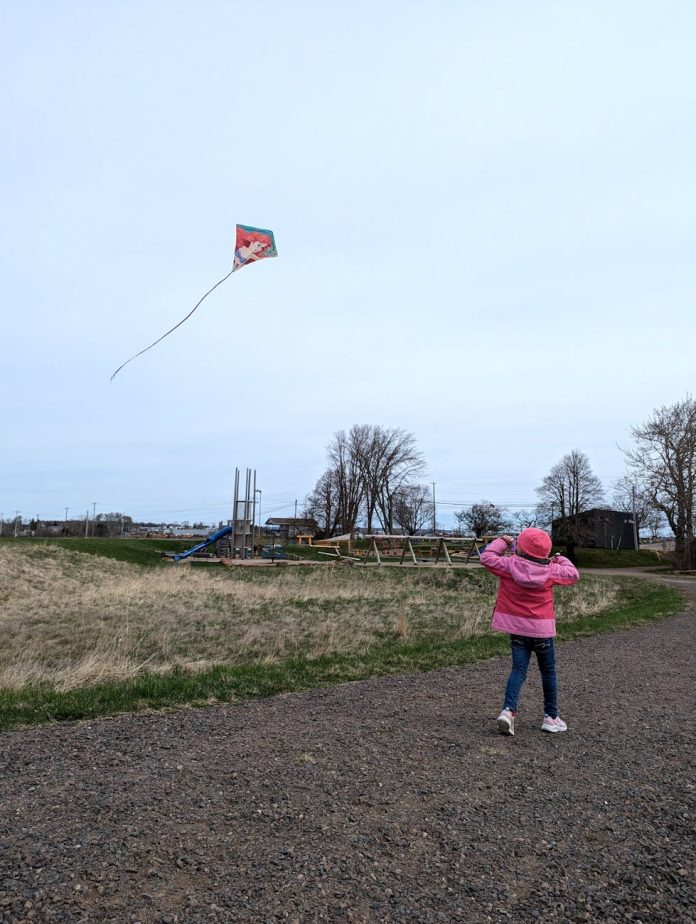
(484, 213)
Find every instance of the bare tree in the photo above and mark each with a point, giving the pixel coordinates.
(112, 524)
(365, 449)
(322, 503)
(664, 459)
(482, 519)
(631, 495)
(389, 461)
(523, 519)
(368, 468)
(349, 481)
(570, 488)
(413, 508)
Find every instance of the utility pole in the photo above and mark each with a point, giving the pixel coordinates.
(253, 524)
(65, 524)
(434, 517)
(253, 513)
(295, 517)
(94, 516)
(87, 523)
(16, 528)
(635, 519)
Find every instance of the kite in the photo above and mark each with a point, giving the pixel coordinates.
(251, 245)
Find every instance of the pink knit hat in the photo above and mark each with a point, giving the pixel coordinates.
(534, 542)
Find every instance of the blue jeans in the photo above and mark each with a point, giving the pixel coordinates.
(545, 651)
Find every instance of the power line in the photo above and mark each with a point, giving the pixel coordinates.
(499, 504)
(487, 484)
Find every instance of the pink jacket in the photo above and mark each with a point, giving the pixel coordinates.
(525, 592)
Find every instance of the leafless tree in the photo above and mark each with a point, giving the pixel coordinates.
(664, 459)
(523, 519)
(413, 508)
(389, 461)
(570, 488)
(482, 519)
(349, 481)
(322, 503)
(112, 524)
(631, 495)
(368, 467)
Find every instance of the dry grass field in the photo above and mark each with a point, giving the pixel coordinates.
(71, 620)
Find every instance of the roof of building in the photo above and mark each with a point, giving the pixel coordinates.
(299, 522)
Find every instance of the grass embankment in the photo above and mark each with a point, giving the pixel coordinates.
(86, 636)
(135, 551)
(621, 558)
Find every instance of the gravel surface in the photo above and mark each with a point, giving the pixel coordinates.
(388, 800)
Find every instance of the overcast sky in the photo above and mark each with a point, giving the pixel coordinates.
(485, 214)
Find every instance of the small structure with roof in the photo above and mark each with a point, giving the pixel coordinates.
(291, 528)
(598, 528)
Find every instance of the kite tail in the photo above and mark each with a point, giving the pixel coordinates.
(173, 328)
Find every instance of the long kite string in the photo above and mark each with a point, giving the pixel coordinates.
(173, 328)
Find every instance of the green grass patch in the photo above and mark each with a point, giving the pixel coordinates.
(146, 552)
(618, 558)
(640, 602)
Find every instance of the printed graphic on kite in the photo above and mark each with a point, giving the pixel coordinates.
(251, 245)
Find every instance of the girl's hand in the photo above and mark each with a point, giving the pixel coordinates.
(507, 539)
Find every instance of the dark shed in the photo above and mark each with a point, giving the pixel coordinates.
(597, 529)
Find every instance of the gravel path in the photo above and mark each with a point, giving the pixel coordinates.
(388, 800)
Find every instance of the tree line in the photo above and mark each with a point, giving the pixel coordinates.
(373, 478)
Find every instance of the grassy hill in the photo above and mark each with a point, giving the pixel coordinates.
(136, 551)
(621, 558)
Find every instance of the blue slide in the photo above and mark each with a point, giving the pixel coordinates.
(225, 531)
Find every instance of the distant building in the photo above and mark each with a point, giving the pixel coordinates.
(596, 529)
(186, 532)
(290, 527)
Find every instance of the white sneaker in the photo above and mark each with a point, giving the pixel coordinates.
(506, 722)
(554, 725)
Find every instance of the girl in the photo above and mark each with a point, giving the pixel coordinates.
(524, 609)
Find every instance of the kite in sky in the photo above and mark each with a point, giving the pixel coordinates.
(251, 245)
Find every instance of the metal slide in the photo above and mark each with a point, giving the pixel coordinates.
(225, 531)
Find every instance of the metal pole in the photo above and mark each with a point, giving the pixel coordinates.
(16, 528)
(253, 518)
(636, 544)
(434, 516)
(247, 503)
(260, 520)
(65, 524)
(233, 534)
